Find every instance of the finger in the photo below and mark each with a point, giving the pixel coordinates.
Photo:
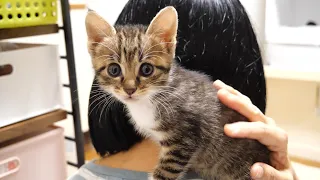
(260, 171)
(221, 85)
(280, 160)
(243, 107)
(273, 137)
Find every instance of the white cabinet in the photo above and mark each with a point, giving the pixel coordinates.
(286, 22)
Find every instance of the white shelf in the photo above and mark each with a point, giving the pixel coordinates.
(291, 74)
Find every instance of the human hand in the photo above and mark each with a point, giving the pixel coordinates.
(261, 128)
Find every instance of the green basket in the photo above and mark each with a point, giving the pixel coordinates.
(22, 13)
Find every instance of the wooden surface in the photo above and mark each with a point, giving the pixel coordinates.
(77, 6)
(144, 156)
(303, 161)
(141, 157)
(27, 136)
(31, 125)
(9, 33)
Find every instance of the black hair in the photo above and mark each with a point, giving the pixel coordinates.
(214, 37)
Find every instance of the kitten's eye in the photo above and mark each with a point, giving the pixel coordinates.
(146, 69)
(114, 70)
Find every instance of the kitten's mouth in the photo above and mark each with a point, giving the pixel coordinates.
(130, 98)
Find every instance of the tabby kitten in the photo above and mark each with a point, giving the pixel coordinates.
(176, 107)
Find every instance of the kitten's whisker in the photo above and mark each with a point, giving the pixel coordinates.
(173, 91)
(157, 45)
(101, 99)
(165, 104)
(99, 104)
(151, 100)
(175, 95)
(111, 49)
(97, 90)
(106, 106)
(167, 87)
(106, 55)
(98, 94)
(155, 52)
(165, 99)
(158, 81)
(103, 108)
(97, 85)
(159, 102)
(145, 57)
(113, 102)
(108, 48)
(172, 94)
(92, 93)
(142, 50)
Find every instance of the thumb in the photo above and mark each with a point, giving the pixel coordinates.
(260, 171)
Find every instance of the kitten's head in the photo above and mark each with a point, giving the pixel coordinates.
(132, 62)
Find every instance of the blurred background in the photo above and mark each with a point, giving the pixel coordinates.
(289, 35)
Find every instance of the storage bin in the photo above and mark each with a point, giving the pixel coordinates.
(37, 156)
(21, 13)
(293, 22)
(29, 82)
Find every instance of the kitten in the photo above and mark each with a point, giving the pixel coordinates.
(176, 107)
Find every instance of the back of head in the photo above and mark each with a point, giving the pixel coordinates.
(214, 37)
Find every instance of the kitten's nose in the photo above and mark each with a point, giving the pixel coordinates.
(130, 91)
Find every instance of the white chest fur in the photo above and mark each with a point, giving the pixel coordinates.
(143, 116)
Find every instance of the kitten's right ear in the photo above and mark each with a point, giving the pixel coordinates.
(165, 26)
(97, 27)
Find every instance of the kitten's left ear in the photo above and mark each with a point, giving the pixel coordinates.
(165, 26)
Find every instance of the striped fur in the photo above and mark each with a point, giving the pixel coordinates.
(176, 107)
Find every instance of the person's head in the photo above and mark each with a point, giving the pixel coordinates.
(214, 37)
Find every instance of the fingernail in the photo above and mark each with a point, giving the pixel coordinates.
(255, 109)
(218, 84)
(257, 172)
(233, 128)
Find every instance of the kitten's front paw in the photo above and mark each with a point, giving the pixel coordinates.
(151, 178)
